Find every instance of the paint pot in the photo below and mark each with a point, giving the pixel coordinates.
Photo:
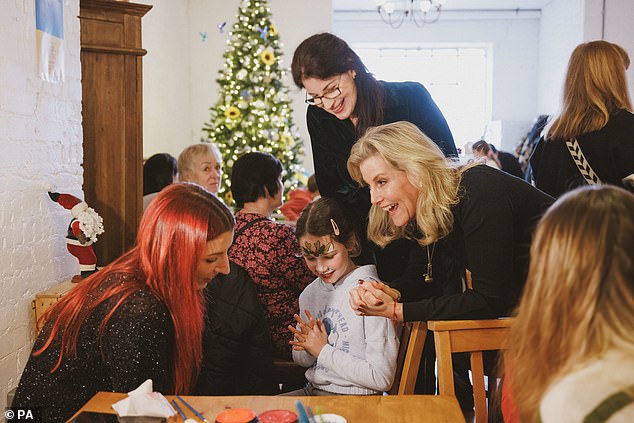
(278, 416)
(330, 418)
(237, 415)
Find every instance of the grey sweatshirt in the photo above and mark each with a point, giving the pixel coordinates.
(360, 358)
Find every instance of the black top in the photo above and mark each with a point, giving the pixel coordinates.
(137, 344)
(493, 225)
(331, 142)
(510, 164)
(237, 346)
(610, 152)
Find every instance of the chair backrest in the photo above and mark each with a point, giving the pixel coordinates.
(473, 336)
(409, 355)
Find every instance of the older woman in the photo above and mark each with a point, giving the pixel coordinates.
(201, 164)
(267, 250)
(475, 218)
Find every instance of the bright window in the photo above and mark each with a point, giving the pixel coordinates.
(458, 78)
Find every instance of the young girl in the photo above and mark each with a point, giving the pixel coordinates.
(345, 353)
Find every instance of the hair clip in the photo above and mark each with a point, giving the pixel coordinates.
(335, 228)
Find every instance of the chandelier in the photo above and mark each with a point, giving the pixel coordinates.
(421, 12)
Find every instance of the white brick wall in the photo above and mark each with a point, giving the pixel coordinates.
(40, 144)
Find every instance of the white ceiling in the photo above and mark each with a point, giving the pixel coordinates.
(350, 5)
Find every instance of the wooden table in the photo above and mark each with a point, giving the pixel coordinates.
(356, 409)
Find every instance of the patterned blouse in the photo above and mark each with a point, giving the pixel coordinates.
(270, 254)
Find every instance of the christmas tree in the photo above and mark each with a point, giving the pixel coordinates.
(254, 112)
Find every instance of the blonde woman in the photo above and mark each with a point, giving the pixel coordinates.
(344, 99)
(475, 218)
(201, 164)
(572, 355)
(597, 113)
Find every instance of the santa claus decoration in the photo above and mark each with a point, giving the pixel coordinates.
(83, 229)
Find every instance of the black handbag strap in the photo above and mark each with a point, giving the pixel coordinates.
(582, 164)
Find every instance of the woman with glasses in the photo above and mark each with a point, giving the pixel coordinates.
(344, 100)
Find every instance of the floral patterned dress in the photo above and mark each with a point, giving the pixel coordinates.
(270, 254)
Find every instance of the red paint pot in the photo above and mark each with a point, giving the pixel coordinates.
(278, 416)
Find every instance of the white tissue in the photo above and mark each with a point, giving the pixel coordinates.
(143, 402)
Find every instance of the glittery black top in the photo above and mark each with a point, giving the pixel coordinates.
(137, 344)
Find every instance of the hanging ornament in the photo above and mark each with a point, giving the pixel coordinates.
(263, 32)
(203, 36)
(221, 27)
(245, 94)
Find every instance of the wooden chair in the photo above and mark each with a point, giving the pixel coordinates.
(412, 338)
(473, 336)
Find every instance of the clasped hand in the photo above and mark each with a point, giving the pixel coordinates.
(373, 298)
(311, 335)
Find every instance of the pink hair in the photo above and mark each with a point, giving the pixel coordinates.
(172, 235)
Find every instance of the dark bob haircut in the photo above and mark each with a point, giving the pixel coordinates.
(158, 172)
(253, 176)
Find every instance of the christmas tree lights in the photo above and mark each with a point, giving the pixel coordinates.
(253, 112)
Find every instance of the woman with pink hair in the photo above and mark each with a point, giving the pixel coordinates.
(141, 317)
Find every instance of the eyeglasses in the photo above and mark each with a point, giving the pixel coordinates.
(318, 100)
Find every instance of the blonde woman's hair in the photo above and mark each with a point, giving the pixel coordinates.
(186, 158)
(404, 147)
(595, 87)
(579, 296)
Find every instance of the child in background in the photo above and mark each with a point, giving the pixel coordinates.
(202, 165)
(346, 354)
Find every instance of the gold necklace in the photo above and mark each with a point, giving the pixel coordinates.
(429, 276)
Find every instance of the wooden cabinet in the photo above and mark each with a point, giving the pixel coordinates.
(111, 55)
(44, 300)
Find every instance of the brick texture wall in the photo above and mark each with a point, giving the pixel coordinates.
(40, 145)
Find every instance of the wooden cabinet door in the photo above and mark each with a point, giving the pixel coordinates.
(111, 56)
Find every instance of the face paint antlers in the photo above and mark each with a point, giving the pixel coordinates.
(317, 249)
(320, 248)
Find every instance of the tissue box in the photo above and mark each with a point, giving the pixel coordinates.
(46, 299)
